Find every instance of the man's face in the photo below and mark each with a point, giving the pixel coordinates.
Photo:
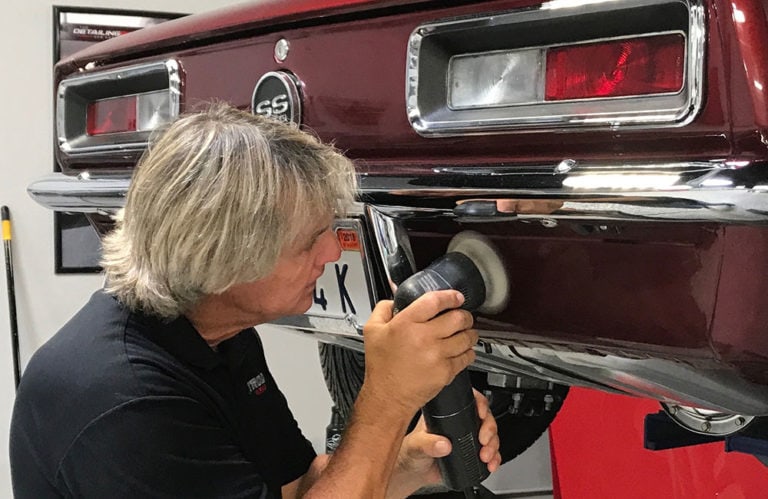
(288, 289)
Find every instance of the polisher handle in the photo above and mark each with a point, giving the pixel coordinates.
(462, 468)
(453, 412)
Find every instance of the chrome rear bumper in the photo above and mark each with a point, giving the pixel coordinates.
(706, 192)
(717, 191)
(81, 194)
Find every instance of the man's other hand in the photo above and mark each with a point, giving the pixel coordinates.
(417, 462)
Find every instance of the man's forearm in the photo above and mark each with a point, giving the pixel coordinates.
(403, 484)
(299, 487)
(362, 465)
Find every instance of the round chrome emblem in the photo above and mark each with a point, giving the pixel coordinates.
(277, 95)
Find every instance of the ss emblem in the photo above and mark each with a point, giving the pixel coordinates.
(276, 107)
(276, 95)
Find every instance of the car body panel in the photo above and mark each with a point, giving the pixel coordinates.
(228, 22)
(648, 289)
(357, 112)
(600, 435)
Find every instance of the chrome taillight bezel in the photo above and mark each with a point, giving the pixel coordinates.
(76, 92)
(432, 45)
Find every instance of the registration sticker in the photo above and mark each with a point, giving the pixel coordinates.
(348, 239)
(343, 288)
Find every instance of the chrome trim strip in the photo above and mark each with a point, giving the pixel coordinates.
(652, 111)
(129, 141)
(708, 385)
(717, 191)
(341, 327)
(499, 359)
(394, 247)
(80, 193)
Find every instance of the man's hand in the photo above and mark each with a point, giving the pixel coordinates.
(410, 357)
(417, 462)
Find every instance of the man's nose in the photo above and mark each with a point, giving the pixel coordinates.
(330, 248)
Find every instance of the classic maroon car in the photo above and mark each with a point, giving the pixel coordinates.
(613, 151)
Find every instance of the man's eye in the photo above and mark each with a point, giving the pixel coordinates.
(312, 242)
(316, 238)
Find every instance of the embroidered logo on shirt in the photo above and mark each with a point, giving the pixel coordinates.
(257, 384)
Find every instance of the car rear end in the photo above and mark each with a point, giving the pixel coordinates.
(613, 151)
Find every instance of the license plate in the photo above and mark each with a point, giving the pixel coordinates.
(343, 288)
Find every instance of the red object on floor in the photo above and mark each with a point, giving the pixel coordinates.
(597, 453)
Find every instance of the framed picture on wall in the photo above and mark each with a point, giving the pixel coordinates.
(76, 243)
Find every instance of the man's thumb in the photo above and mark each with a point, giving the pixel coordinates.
(441, 447)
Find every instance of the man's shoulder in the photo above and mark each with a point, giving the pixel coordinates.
(103, 356)
(87, 344)
(97, 363)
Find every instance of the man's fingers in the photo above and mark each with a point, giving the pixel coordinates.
(488, 434)
(483, 407)
(430, 304)
(495, 463)
(488, 429)
(422, 444)
(490, 449)
(459, 343)
(454, 320)
(460, 362)
(382, 312)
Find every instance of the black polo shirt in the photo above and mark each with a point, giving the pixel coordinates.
(118, 404)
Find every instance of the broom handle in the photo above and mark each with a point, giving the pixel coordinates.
(6, 220)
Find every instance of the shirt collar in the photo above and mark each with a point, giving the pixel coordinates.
(180, 338)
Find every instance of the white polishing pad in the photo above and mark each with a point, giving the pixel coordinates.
(485, 256)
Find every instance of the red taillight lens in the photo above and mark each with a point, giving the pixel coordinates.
(617, 68)
(111, 116)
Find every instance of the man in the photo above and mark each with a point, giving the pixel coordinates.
(158, 387)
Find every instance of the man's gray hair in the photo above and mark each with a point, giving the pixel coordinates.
(213, 202)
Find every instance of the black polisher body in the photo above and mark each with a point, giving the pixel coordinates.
(453, 412)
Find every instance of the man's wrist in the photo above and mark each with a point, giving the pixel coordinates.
(383, 406)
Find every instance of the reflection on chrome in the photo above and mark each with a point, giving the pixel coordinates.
(84, 193)
(621, 181)
(569, 4)
(702, 191)
(706, 422)
(394, 247)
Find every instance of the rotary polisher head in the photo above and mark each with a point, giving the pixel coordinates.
(488, 261)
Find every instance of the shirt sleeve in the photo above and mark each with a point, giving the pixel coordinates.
(159, 446)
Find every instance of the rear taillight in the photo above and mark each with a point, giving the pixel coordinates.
(131, 113)
(116, 110)
(617, 68)
(573, 64)
(111, 116)
(623, 67)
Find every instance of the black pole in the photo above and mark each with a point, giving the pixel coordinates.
(6, 220)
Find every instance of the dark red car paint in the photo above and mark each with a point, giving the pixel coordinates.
(675, 290)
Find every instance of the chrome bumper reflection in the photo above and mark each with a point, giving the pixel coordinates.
(725, 192)
(81, 193)
(708, 385)
(686, 193)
